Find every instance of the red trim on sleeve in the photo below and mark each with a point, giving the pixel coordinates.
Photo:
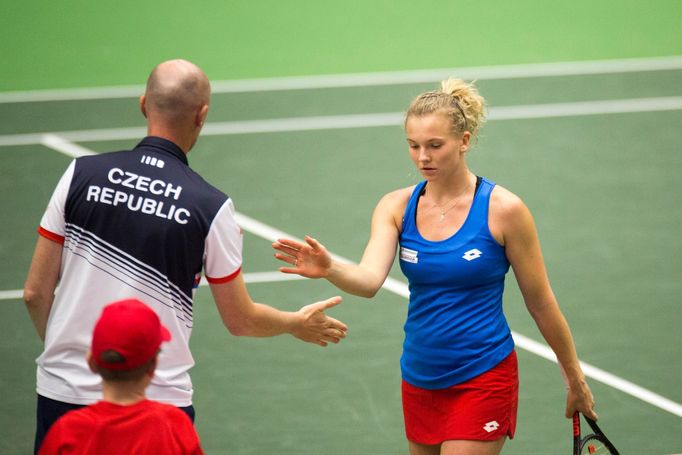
(51, 235)
(224, 279)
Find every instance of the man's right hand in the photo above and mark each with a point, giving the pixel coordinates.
(316, 327)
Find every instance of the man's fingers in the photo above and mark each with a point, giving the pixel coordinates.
(332, 337)
(337, 325)
(331, 340)
(329, 303)
(331, 322)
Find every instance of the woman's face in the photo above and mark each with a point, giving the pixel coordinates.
(434, 148)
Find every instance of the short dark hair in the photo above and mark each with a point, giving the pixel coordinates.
(113, 357)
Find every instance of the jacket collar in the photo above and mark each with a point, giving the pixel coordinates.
(163, 145)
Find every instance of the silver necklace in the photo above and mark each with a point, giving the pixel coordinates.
(444, 212)
(456, 200)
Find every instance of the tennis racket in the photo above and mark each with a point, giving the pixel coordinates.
(595, 443)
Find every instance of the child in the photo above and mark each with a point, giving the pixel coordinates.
(124, 351)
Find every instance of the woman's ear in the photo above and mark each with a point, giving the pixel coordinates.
(466, 140)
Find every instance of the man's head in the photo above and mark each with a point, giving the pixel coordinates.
(176, 101)
(126, 340)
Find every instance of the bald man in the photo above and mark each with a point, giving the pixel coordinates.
(141, 224)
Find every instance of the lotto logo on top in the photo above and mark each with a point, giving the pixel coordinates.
(150, 160)
(472, 254)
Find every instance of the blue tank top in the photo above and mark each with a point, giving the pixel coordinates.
(455, 328)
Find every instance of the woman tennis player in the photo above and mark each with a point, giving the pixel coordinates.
(457, 236)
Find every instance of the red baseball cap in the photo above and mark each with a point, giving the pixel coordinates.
(130, 328)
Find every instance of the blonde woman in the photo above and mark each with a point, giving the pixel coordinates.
(457, 234)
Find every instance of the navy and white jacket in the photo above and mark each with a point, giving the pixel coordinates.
(137, 223)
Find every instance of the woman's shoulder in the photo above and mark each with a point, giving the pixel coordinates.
(392, 205)
(397, 198)
(504, 201)
(400, 194)
(508, 214)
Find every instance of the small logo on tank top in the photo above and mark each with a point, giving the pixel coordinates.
(408, 255)
(472, 254)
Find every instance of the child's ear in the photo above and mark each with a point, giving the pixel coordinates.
(91, 362)
(152, 366)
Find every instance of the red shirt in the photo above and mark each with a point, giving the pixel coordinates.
(147, 427)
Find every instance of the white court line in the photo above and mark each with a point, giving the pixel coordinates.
(397, 287)
(603, 376)
(254, 277)
(11, 295)
(61, 145)
(263, 277)
(370, 79)
(325, 122)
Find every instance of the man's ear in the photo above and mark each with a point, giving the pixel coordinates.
(143, 109)
(201, 116)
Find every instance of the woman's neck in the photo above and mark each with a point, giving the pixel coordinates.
(442, 191)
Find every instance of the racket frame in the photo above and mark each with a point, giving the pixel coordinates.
(597, 435)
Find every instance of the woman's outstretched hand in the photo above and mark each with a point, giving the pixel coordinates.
(310, 259)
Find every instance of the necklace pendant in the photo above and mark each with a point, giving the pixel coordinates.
(442, 216)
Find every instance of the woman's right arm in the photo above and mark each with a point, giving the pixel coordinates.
(311, 259)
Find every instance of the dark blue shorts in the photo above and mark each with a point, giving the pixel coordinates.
(48, 411)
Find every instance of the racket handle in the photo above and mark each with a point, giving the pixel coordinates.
(576, 433)
(576, 424)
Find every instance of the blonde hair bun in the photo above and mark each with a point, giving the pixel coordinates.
(457, 99)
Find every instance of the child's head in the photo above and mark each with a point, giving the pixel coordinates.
(126, 341)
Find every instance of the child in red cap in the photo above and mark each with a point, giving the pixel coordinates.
(125, 345)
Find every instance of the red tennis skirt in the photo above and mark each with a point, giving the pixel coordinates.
(481, 409)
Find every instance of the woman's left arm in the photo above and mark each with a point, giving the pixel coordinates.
(523, 251)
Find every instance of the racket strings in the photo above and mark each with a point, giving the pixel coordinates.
(594, 447)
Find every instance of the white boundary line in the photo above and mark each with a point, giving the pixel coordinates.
(603, 376)
(61, 145)
(10, 295)
(521, 112)
(271, 234)
(370, 79)
(254, 277)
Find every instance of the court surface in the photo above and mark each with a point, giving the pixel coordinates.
(592, 145)
(594, 151)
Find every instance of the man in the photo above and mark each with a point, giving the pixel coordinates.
(124, 351)
(142, 224)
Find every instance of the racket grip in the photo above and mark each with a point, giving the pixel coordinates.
(576, 424)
